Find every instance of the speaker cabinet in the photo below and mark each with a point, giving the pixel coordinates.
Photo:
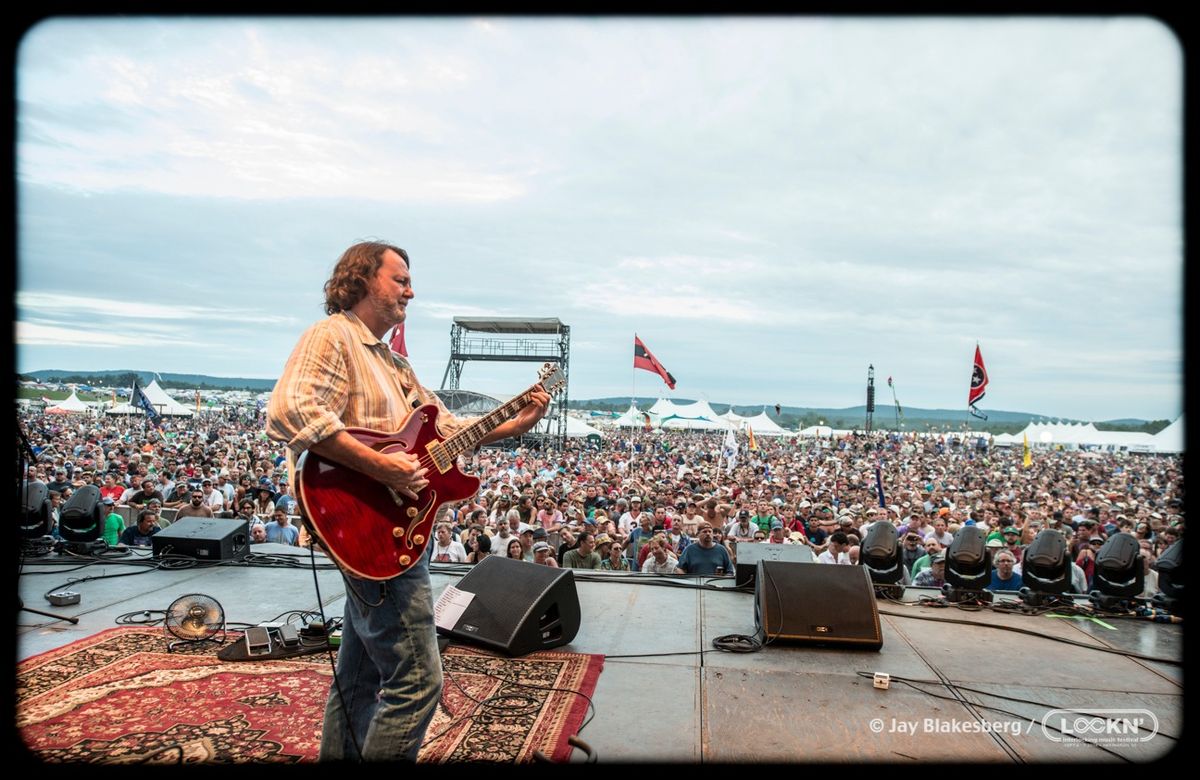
(518, 608)
(204, 538)
(817, 603)
(750, 553)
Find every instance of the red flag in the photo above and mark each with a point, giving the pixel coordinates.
(644, 360)
(397, 343)
(979, 381)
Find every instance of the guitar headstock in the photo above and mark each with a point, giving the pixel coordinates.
(551, 378)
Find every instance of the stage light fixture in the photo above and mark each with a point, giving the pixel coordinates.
(1046, 570)
(1170, 579)
(81, 519)
(968, 566)
(880, 554)
(1120, 573)
(35, 520)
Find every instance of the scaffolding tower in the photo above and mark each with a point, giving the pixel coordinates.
(513, 339)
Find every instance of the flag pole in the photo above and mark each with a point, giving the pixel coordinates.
(633, 405)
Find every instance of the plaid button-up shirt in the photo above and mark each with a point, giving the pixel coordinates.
(341, 376)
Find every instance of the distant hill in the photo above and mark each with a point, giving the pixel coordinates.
(915, 418)
(853, 417)
(124, 378)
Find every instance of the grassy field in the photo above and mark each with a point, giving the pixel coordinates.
(61, 395)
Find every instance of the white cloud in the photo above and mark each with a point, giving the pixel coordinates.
(74, 306)
(38, 334)
(838, 191)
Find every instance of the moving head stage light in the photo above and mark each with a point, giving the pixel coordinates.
(1170, 579)
(81, 520)
(968, 566)
(1046, 570)
(881, 556)
(1120, 573)
(35, 520)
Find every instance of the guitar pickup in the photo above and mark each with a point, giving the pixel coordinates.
(441, 458)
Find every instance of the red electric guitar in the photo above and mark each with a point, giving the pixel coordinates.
(374, 532)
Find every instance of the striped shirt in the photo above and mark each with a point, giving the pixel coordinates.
(341, 376)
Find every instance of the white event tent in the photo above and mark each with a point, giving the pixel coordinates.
(1171, 438)
(69, 406)
(765, 426)
(577, 429)
(634, 418)
(162, 403)
(1075, 435)
(698, 416)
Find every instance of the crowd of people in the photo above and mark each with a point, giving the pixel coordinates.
(660, 502)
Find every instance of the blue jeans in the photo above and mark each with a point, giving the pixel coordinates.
(389, 670)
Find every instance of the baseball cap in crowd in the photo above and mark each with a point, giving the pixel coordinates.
(1010, 530)
(938, 557)
(744, 513)
(943, 512)
(995, 543)
(1096, 539)
(635, 499)
(538, 547)
(776, 524)
(107, 500)
(539, 533)
(603, 539)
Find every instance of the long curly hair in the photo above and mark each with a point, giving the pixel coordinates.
(352, 275)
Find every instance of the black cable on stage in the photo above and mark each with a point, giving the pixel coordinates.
(1005, 712)
(1064, 640)
(741, 643)
(333, 667)
(69, 583)
(141, 618)
(911, 682)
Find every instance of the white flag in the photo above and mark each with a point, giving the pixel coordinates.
(731, 451)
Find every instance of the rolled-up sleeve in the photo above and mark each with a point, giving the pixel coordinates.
(309, 399)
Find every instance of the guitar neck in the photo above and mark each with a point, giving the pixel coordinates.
(469, 438)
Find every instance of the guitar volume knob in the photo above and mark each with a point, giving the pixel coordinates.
(397, 532)
(412, 511)
(418, 539)
(405, 560)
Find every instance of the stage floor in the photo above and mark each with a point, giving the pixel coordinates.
(666, 695)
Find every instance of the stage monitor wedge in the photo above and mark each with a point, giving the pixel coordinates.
(750, 553)
(518, 607)
(817, 604)
(204, 538)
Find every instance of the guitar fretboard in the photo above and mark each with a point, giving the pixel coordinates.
(468, 438)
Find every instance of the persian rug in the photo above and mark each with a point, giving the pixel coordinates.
(120, 697)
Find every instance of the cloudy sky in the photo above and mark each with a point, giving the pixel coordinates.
(771, 204)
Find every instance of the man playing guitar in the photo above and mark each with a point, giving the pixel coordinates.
(343, 375)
